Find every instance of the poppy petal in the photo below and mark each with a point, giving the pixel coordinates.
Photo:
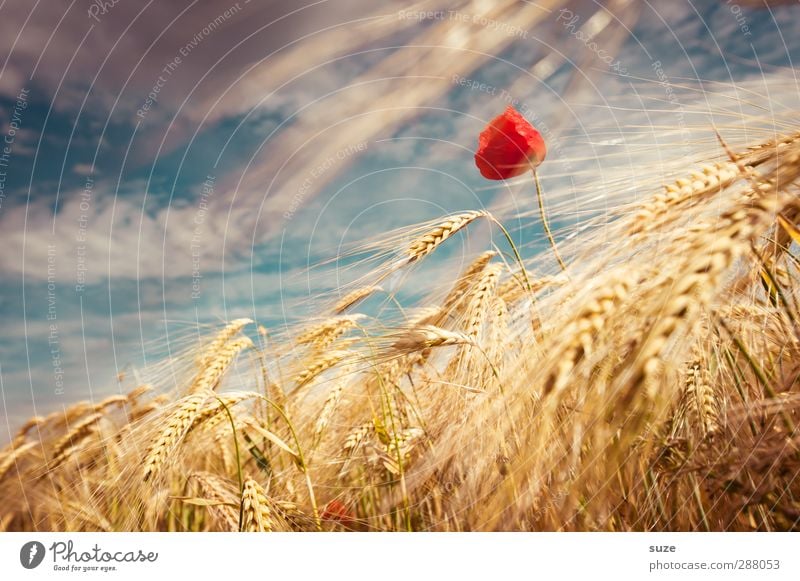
(509, 146)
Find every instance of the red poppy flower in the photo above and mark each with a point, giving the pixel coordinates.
(509, 146)
(337, 512)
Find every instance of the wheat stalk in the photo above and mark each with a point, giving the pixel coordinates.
(513, 288)
(701, 395)
(423, 316)
(480, 298)
(328, 330)
(118, 400)
(139, 411)
(709, 253)
(256, 514)
(581, 332)
(356, 436)
(177, 424)
(73, 437)
(331, 401)
(425, 337)
(227, 332)
(139, 391)
(433, 238)
(466, 279)
(27, 426)
(320, 364)
(216, 366)
(186, 418)
(354, 297)
(400, 447)
(214, 414)
(221, 492)
(711, 179)
(769, 150)
(11, 458)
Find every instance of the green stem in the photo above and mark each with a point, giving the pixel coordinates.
(760, 375)
(514, 249)
(300, 458)
(543, 214)
(238, 459)
(386, 400)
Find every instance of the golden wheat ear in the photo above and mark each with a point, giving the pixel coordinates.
(256, 514)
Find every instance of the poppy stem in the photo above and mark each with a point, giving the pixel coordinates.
(546, 226)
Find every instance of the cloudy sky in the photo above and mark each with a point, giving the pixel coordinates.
(173, 164)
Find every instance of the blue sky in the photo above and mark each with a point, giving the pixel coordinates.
(320, 126)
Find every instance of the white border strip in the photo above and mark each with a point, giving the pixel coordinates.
(404, 556)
